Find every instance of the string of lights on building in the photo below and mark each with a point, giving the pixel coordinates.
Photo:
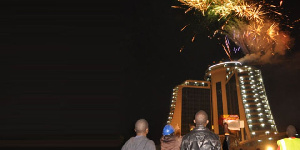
(233, 88)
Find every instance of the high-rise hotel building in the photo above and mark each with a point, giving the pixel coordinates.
(229, 88)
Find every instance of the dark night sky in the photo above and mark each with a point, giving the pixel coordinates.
(86, 68)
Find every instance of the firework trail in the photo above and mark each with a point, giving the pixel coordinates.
(250, 25)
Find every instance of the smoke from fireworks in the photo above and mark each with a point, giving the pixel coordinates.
(249, 25)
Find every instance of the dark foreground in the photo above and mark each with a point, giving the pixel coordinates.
(60, 148)
(60, 144)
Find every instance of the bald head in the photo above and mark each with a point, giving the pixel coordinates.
(201, 118)
(291, 131)
(141, 126)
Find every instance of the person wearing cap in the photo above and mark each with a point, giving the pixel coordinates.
(169, 141)
(290, 143)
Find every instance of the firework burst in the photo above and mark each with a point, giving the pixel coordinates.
(248, 24)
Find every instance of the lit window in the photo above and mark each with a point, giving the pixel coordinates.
(267, 132)
(270, 138)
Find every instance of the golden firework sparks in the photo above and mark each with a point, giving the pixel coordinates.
(249, 24)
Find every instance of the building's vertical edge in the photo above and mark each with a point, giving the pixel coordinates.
(176, 120)
(242, 114)
(215, 108)
(224, 94)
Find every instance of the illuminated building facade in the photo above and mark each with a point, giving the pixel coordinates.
(233, 89)
(187, 99)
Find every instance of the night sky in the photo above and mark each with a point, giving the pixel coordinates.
(79, 69)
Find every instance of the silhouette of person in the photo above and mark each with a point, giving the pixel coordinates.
(170, 141)
(226, 139)
(201, 137)
(290, 143)
(140, 141)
